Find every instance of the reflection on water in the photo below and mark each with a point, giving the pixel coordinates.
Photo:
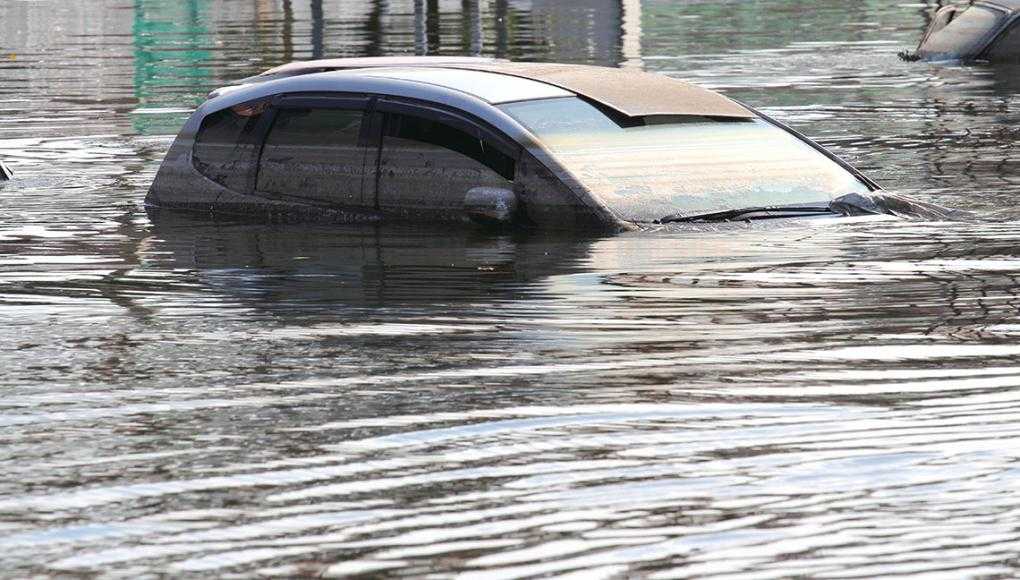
(187, 396)
(356, 265)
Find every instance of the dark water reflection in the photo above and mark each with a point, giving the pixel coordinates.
(190, 397)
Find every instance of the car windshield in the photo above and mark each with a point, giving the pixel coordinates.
(684, 165)
(966, 35)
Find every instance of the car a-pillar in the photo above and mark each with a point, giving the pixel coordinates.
(536, 198)
(5, 172)
(546, 202)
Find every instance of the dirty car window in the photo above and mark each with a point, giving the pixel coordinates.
(429, 165)
(684, 164)
(433, 132)
(225, 147)
(967, 34)
(314, 154)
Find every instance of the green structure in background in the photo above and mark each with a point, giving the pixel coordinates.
(171, 52)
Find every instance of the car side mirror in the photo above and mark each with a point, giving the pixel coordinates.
(491, 206)
(5, 172)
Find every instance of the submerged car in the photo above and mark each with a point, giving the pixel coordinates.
(549, 146)
(983, 30)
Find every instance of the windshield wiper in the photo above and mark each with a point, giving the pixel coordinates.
(730, 214)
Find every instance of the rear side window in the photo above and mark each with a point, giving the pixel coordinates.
(225, 146)
(315, 154)
(967, 34)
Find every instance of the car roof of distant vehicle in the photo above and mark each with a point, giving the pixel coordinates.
(982, 30)
(628, 92)
(1010, 4)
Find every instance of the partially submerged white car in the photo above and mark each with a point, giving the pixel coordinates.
(549, 146)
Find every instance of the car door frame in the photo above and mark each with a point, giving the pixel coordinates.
(344, 101)
(430, 110)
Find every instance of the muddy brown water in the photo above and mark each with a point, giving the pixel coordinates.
(179, 397)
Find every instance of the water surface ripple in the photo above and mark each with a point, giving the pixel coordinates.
(180, 397)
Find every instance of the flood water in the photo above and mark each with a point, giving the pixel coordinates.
(184, 397)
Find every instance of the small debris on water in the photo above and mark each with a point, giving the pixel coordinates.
(908, 56)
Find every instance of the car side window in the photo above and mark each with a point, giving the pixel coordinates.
(1007, 47)
(315, 154)
(226, 145)
(431, 164)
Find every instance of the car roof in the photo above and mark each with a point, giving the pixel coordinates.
(629, 92)
(334, 64)
(490, 87)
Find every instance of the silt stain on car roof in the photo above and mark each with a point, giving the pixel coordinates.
(630, 92)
